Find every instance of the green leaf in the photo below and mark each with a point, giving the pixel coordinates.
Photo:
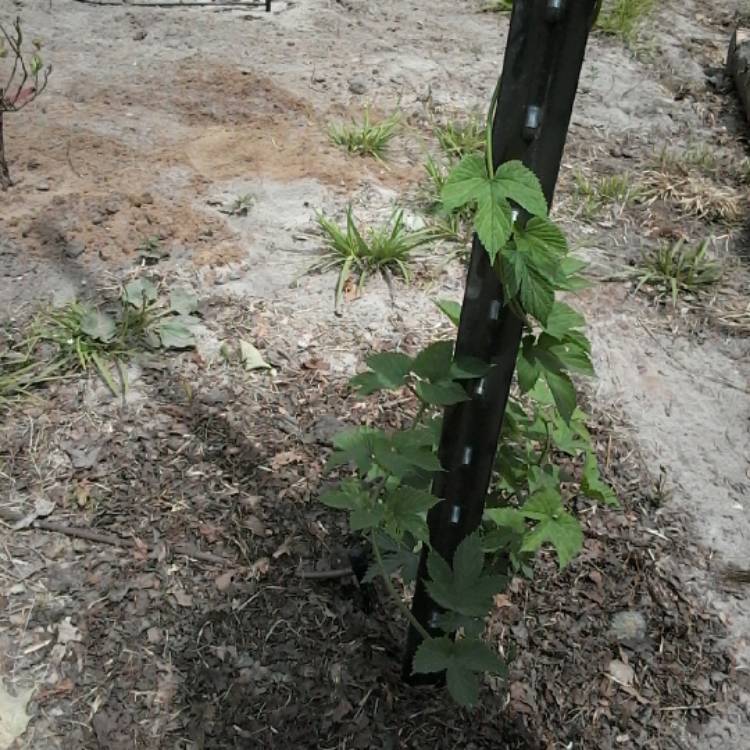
(356, 445)
(543, 239)
(451, 309)
(183, 301)
(366, 383)
(251, 358)
(463, 685)
(391, 368)
(463, 661)
(562, 319)
(493, 221)
(396, 556)
(564, 393)
(97, 325)
(464, 368)
(371, 517)
(174, 333)
(556, 526)
(521, 276)
(521, 185)
(592, 485)
(139, 292)
(446, 393)
(406, 508)
(463, 588)
(450, 622)
(349, 496)
(434, 362)
(510, 518)
(527, 367)
(465, 183)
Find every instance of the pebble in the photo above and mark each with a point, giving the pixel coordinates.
(357, 86)
(74, 249)
(629, 627)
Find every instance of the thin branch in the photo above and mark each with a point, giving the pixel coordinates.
(91, 535)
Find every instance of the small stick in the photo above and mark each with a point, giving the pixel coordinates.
(90, 535)
(320, 575)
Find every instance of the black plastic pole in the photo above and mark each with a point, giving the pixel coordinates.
(543, 58)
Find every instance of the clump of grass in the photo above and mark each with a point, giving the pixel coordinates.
(453, 226)
(676, 271)
(623, 18)
(366, 138)
(498, 6)
(597, 193)
(694, 195)
(457, 139)
(385, 249)
(80, 337)
(700, 157)
(240, 206)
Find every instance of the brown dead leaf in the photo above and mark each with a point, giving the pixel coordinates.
(285, 458)
(255, 525)
(259, 568)
(285, 548)
(209, 532)
(182, 597)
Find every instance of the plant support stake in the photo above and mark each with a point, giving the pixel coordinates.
(543, 58)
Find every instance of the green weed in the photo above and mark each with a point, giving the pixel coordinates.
(457, 139)
(366, 138)
(498, 6)
(623, 18)
(675, 271)
(597, 193)
(379, 249)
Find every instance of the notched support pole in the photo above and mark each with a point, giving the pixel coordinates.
(543, 58)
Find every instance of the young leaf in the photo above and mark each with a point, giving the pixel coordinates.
(463, 588)
(521, 185)
(97, 325)
(139, 292)
(465, 183)
(350, 495)
(366, 383)
(183, 301)
(356, 445)
(446, 393)
(390, 368)
(592, 485)
(563, 391)
(555, 526)
(451, 309)
(370, 517)
(562, 319)
(405, 509)
(527, 366)
(493, 221)
(434, 362)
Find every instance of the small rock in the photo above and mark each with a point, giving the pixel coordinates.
(628, 627)
(357, 86)
(74, 249)
(621, 673)
(139, 35)
(43, 186)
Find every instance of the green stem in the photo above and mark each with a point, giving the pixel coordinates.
(392, 591)
(488, 131)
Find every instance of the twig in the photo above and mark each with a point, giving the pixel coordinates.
(321, 575)
(99, 537)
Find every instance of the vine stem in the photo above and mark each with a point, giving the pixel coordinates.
(394, 594)
(488, 130)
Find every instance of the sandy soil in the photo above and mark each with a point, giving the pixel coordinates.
(156, 117)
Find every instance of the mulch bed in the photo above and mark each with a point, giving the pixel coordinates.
(162, 651)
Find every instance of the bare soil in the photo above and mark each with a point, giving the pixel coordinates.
(157, 117)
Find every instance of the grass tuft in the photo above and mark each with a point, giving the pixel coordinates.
(677, 271)
(366, 138)
(458, 139)
(386, 249)
(596, 193)
(623, 18)
(498, 6)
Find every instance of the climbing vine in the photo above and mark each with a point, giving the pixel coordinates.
(388, 493)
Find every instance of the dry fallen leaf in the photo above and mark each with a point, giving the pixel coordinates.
(259, 568)
(286, 457)
(285, 548)
(224, 581)
(621, 673)
(183, 598)
(255, 525)
(13, 716)
(67, 632)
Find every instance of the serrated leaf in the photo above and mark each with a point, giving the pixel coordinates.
(463, 588)
(349, 495)
(493, 221)
(527, 367)
(465, 368)
(396, 556)
(507, 518)
(477, 656)
(465, 183)
(183, 301)
(391, 368)
(434, 362)
(366, 383)
(450, 622)
(542, 238)
(405, 510)
(97, 325)
(138, 292)
(446, 393)
(520, 276)
(433, 655)
(563, 392)
(451, 309)
(521, 185)
(562, 319)
(592, 484)
(370, 517)
(463, 685)
(356, 445)
(555, 526)
(251, 358)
